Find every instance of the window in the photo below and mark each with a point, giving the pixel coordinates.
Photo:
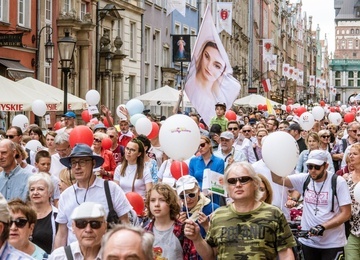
(337, 82)
(357, 31)
(132, 89)
(358, 74)
(177, 29)
(67, 6)
(132, 40)
(83, 11)
(358, 83)
(350, 44)
(352, 31)
(166, 57)
(147, 45)
(24, 13)
(357, 43)
(4, 10)
(119, 27)
(48, 10)
(350, 74)
(350, 82)
(47, 73)
(337, 74)
(157, 55)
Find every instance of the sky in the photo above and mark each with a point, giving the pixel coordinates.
(323, 13)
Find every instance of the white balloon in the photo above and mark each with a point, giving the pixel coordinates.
(335, 118)
(143, 126)
(306, 121)
(92, 97)
(182, 132)
(34, 145)
(352, 99)
(119, 113)
(357, 192)
(39, 107)
(296, 105)
(358, 118)
(318, 112)
(283, 107)
(20, 121)
(135, 106)
(343, 107)
(280, 153)
(135, 118)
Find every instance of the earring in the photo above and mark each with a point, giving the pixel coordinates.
(30, 237)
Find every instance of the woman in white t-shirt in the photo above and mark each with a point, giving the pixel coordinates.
(131, 175)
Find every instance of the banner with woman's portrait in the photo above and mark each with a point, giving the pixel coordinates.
(209, 78)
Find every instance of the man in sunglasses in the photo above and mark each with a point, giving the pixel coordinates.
(295, 130)
(6, 250)
(247, 228)
(89, 226)
(194, 203)
(323, 215)
(87, 187)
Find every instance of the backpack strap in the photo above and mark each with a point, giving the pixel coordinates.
(333, 187)
(305, 185)
(68, 252)
(108, 195)
(344, 143)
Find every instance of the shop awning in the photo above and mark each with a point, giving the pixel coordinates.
(15, 69)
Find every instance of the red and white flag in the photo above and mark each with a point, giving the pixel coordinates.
(291, 72)
(312, 80)
(318, 82)
(267, 49)
(285, 70)
(301, 78)
(273, 63)
(172, 5)
(266, 85)
(224, 17)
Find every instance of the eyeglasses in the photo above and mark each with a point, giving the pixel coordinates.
(189, 195)
(97, 140)
(10, 136)
(19, 222)
(202, 145)
(245, 131)
(131, 150)
(326, 136)
(94, 224)
(233, 128)
(243, 180)
(81, 163)
(312, 166)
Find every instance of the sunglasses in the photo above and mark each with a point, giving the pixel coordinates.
(245, 131)
(111, 136)
(354, 131)
(202, 145)
(10, 136)
(189, 195)
(243, 180)
(232, 128)
(97, 140)
(19, 222)
(312, 166)
(326, 136)
(94, 224)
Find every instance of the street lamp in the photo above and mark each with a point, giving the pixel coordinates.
(49, 48)
(282, 82)
(66, 47)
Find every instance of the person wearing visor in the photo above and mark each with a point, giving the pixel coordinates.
(324, 213)
(89, 226)
(87, 187)
(194, 203)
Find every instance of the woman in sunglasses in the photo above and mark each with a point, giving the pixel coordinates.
(22, 223)
(241, 230)
(132, 175)
(106, 170)
(40, 192)
(325, 143)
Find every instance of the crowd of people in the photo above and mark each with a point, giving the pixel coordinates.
(72, 202)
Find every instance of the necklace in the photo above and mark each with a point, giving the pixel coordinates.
(317, 196)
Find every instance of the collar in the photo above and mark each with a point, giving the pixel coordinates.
(13, 171)
(97, 182)
(77, 251)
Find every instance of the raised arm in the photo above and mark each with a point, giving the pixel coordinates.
(280, 180)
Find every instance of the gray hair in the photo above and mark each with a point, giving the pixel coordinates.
(147, 239)
(240, 167)
(41, 176)
(61, 138)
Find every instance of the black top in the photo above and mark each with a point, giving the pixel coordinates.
(43, 233)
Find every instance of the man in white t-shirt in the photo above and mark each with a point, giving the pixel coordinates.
(88, 187)
(323, 214)
(63, 149)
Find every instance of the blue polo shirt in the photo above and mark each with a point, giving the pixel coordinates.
(15, 184)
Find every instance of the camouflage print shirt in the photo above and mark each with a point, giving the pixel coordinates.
(258, 234)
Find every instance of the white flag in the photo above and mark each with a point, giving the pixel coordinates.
(273, 63)
(296, 75)
(291, 72)
(172, 5)
(285, 70)
(267, 49)
(312, 80)
(224, 17)
(301, 78)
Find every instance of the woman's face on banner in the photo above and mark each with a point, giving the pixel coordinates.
(212, 64)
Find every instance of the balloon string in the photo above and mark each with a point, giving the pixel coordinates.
(186, 207)
(282, 194)
(181, 168)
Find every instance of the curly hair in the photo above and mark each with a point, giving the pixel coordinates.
(17, 205)
(170, 196)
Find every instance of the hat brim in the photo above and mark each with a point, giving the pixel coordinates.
(184, 187)
(66, 161)
(315, 161)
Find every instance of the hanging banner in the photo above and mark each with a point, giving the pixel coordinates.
(181, 48)
(301, 78)
(312, 80)
(224, 17)
(267, 49)
(285, 70)
(273, 63)
(172, 5)
(209, 80)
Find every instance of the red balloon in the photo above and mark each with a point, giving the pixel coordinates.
(265, 107)
(322, 103)
(353, 109)
(332, 109)
(230, 115)
(300, 111)
(81, 134)
(175, 169)
(349, 117)
(86, 116)
(57, 125)
(106, 143)
(136, 201)
(288, 109)
(106, 122)
(260, 107)
(154, 131)
(201, 125)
